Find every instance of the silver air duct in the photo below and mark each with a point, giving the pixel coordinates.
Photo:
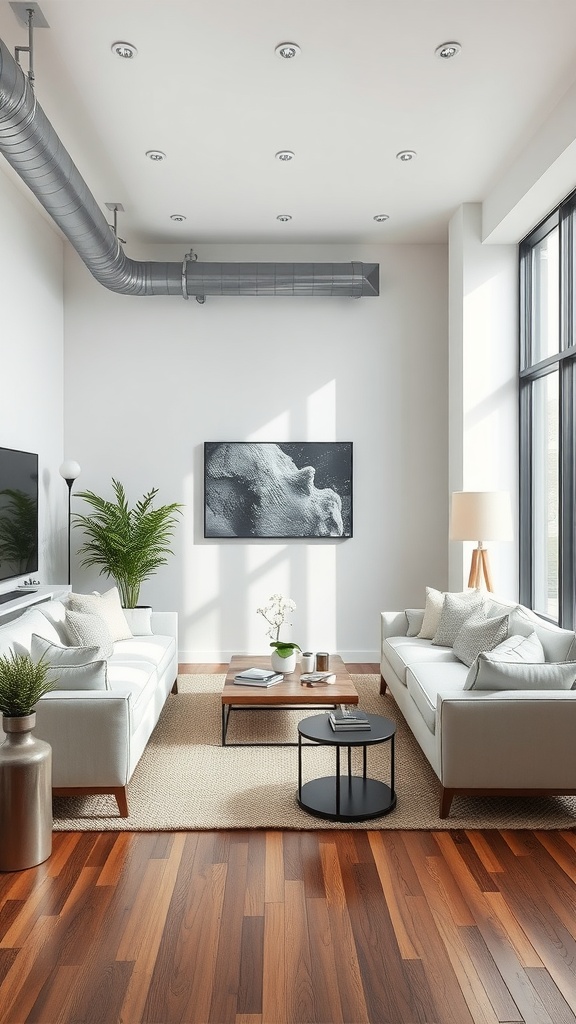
(32, 148)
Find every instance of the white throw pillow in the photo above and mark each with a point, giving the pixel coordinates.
(85, 629)
(559, 644)
(432, 610)
(71, 668)
(414, 618)
(479, 634)
(520, 648)
(486, 674)
(456, 608)
(107, 606)
(57, 655)
(139, 620)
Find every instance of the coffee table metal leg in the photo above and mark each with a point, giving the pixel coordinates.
(337, 780)
(225, 717)
(299, 765)
(364, 760)
(392, 790)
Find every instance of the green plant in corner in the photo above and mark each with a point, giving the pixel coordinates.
(22, 683)
(129, 544)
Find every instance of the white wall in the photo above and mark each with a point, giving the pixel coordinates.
(31, 350)
(148, 380)
(483, 379)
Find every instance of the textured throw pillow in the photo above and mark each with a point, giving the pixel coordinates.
(434, 602)
(139, 620)
(414, 618)
(479, 634)
(486, 674)
(87, 630)
(455, 610)
(107, 606)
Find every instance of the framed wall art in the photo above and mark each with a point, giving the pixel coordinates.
(288, 489)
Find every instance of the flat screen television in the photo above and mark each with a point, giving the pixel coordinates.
(18, 513)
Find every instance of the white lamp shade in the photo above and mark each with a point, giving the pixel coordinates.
(69, 469)
(481, 515)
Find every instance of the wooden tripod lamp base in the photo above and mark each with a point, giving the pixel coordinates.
(480, 573)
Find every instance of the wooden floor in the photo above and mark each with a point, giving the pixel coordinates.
(263, 927)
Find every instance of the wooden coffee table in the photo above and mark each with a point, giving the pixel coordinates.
(290, 694)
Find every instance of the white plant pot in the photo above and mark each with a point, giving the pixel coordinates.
(285, 665)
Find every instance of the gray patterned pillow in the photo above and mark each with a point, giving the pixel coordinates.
(479, 634)
(455, 610)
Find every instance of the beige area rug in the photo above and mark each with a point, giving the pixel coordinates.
(187, 780)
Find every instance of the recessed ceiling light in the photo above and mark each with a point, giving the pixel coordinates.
(178, 217)
(285, 155)
(125, 50)
(155, 154)
(405, 155)
(284, 217)
(286, 51)
(447, 50)
(380, 217)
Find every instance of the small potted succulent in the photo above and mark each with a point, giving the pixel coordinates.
(276, 613)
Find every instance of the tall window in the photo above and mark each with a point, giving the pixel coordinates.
(547, 418)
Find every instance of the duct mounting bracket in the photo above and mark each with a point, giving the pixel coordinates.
(189, 257)
(27, 14)
(116, 208)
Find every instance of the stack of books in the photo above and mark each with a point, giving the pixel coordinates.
(317, 678)
(258, 677)
(344, 719)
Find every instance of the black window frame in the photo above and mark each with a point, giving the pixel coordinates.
(564, 217)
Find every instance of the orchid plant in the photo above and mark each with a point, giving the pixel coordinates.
(276, 613)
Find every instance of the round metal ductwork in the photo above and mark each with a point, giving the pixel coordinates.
(32, 148)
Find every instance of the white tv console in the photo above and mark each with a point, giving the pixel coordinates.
(30, 596)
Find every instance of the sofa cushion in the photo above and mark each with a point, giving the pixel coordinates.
(156, 650)
(488, 674)
(434, 601)
(456, 608)
(86, 629)
(106, 605)
(426, 680)
(55, 612)
(71, 668)
(402, 652)
(559, 644)
(479, 634)
(140, 677)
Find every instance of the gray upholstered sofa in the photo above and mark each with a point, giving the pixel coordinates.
(99, 724)
(499, 724)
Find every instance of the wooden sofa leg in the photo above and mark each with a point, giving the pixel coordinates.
(383, 685)
(121, 794)
(446, 796)
(175, 687)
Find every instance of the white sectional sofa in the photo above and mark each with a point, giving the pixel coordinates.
(504, 723)
(98, 734)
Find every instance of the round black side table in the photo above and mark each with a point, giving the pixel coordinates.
(346, 797)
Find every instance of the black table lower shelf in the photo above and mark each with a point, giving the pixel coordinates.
(360, 798)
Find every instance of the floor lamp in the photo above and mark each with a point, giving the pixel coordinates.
(69, 470)
(480, 516)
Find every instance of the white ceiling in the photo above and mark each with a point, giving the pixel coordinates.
(208, 90)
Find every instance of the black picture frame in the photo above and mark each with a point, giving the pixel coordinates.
(281, 490)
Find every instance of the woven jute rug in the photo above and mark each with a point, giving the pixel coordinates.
(187, 780)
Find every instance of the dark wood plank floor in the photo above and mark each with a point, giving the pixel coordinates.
(321, 927)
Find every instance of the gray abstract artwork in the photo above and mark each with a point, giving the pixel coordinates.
(289, 489)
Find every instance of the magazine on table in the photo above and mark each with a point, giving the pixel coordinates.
(317, 678)
(258, 677)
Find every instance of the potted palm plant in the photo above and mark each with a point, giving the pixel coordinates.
(25, 766)
(128, 544)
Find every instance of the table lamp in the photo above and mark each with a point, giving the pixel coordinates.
(480, 516)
